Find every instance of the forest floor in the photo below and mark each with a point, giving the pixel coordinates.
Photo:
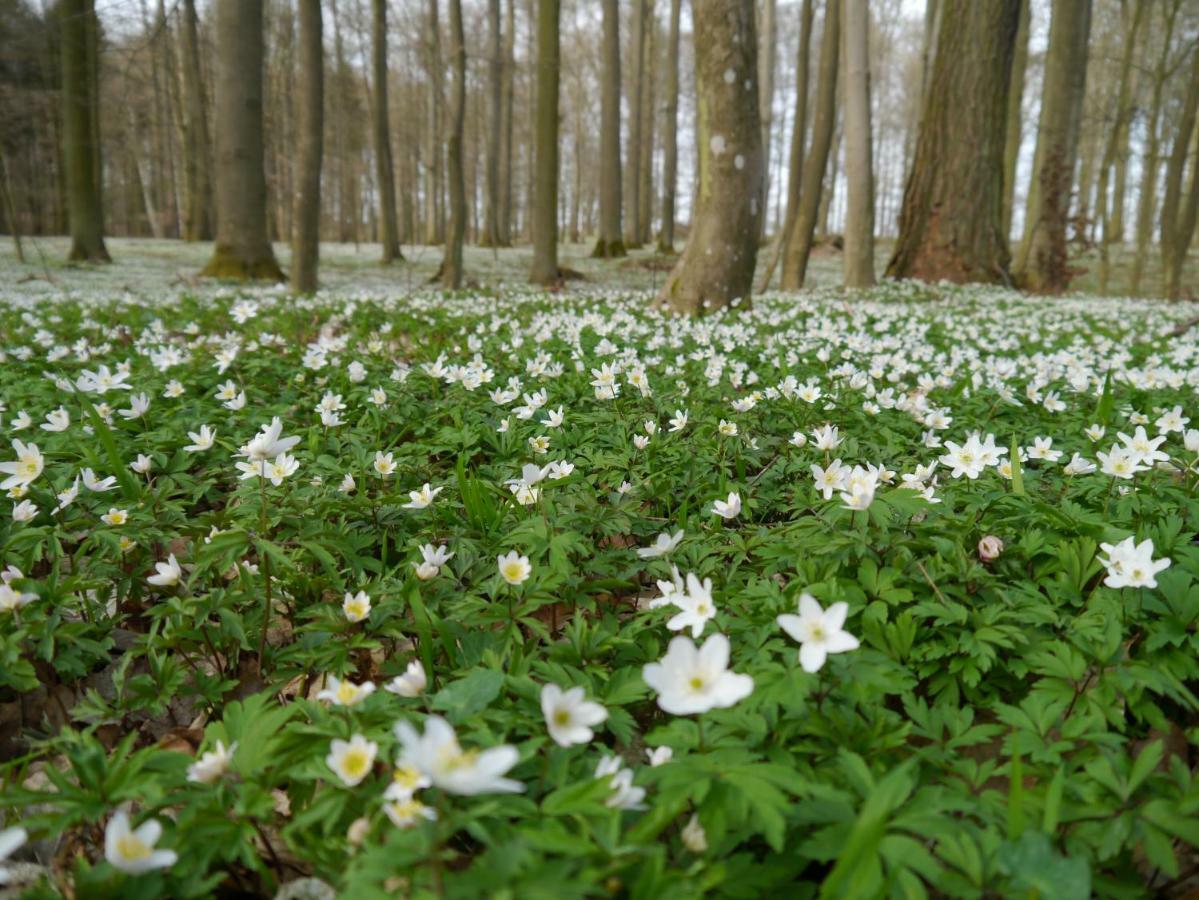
(145, 263)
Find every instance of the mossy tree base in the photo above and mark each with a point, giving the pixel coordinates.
(609, 249)
(228, 265)
(94, 253)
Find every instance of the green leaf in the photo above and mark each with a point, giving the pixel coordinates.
(470, 695)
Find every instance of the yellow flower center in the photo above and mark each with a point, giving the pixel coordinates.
(562, 717)
(129, 846)
(355, 763)
(697, 683)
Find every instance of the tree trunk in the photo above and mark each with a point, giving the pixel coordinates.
(1174, 243)
(798, 132)
(717, 267)
(1185, 232)
(669, 136)
(242, 249)
(859, 163)
(506, 164)
(609, 243)
(1042, 265)
(495, 95)
(545, 198)
(81, 135)
(951, 222)
(645, 192)
(451, 265)
(1015, 118)
(632, 181)
(389, 229)
(433, 230)
(768, 39)
(670, 147)
(1113, 149)
(306, 214)
(799, 247)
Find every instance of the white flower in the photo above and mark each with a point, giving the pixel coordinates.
(345, 693)
(407, 812)
(98, 485)
(57, 420)
(819, 631)
(348, 484)
(1142, 448)
(696, 605)
(384, 463)
(679, 420)
(356, 606)
(728, 429)
(66, 497)
(132, 851)
(212, 766)
(798, 439)
(569, 715)
(11, 599)
(268, 443)
(690, 680)
(25, 511)
(168, 573)
(1078, 466)
(826, 438)
(694, 837)
(422, 498)
(1042, 448)
(1095, 432)
(625, 795)
(728, 509)
(352, 760)
(514, 568)
(1130, 564)
(11, 839)
(659, 756)
(412, 683)
(201, 440)
(115, 516)
(432, 559)
(1119, 463)
(138, 405)
(831, 479)
(142, 465)
(25, 468)
(664, 543)
(1171, 420)
(437, 754)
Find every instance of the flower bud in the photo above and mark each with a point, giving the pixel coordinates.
(989, 548)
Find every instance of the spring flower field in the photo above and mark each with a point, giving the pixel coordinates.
(519, 595)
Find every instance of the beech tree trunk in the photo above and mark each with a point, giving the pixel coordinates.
(1175, 235)
(243, 249)
(951, 222)
(389, 229)
(545, 198)
(717, 267)
(609, 243)
(1015, 117)
(768, 38)
(859, 164)
(306, 214)
(799, 246)
(197, 217)
(495, 97)
(451, 265)
(632, 182)
(1042, 264)
(645, 192)
(81, 134)
(433, 229)
(1116, 140)
(670, 146)
(795, 158)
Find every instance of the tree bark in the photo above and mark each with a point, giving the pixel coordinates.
(768, 40)
(609, 243)
(1042, 264)
(81, 135)
(645, 192)
(951, 222)
(632, 182)
(451, 265)
(799, 246)
(1112, 150)
(306, 214)
(545, 199)
(506, 159)
(1174, 243)
(670, 147)
(389, 229)
(495, 95)
(798, 133)
(1015, 117)
(717, 267)
(242, 249)
(433, 229)
(859, 164)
